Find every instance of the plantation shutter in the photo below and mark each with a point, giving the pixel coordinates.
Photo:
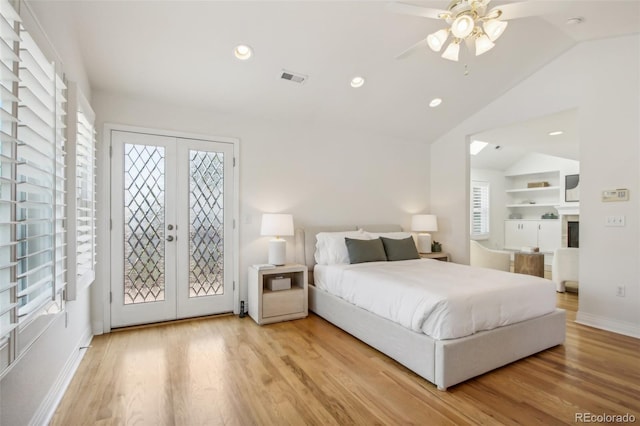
(480, 209)
(32, 188)
(81, 196)
(40, 251)
(8, 144)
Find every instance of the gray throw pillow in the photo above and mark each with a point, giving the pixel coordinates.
(404, 249)
(361, 251)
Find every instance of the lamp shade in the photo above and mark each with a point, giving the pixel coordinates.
(462, 26)
(276, 225)
(483, 44)
(452, 51)
(494, 28)
(424, 223)
(437, 39)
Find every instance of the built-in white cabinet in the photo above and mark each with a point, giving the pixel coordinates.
(544, 233)
(549, 231)
(520, 233)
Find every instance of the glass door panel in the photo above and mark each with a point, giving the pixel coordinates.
(206, 216)
(144, 212)
(143, 260)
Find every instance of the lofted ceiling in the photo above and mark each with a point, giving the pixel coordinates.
(181, 52)
(511, 143)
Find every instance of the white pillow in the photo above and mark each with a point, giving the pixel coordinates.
(331, 248)
(392, 235)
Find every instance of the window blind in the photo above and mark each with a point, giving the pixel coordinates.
(60, 234)
(32, 187)
(480, 209)
(81, 199)
(36, 170)
(9, 59)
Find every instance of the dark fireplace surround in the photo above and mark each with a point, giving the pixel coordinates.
(573, 233)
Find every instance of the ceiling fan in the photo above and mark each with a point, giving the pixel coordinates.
(473, 22)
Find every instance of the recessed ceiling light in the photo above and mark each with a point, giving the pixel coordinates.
(556, 133)
(242, 52)
(476, 146)
(435, 102)
(575, 21)
(357, 82)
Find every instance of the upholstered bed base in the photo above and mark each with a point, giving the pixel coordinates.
(442, 362)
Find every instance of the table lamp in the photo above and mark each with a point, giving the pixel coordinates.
(423, 223)
(277, 225)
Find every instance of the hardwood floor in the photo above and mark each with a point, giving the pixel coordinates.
(228, 370)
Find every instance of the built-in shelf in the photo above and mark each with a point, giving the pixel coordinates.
(538, 189)
(527, 205)
(532, 205)
(521, 197)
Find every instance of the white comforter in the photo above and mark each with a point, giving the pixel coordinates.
(443, 300)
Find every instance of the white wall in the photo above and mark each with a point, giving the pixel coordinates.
(318, 173)
(536, 163)
(601, 79)
(31, 388)
(60, 41)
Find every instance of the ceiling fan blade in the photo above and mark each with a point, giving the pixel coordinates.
(531, 8)
(408, 9)
(419, 45)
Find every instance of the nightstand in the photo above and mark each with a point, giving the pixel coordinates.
(436, 255)
(268, 306)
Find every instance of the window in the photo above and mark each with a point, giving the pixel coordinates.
(480, 215)
(8, 147)
(39, 182)
(81, 196)
(32, 166)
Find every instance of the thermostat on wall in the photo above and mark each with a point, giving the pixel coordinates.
(615, 195)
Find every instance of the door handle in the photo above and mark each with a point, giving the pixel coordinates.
(170, 238)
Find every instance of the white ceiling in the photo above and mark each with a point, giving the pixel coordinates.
(180, 52)
(520, 139)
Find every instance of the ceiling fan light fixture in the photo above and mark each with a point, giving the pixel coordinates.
(494, 28)
(452, 51)
(483, 44)
(437, 39)
(470, 21)
(462, 26)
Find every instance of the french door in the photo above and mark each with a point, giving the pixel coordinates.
(171, 235)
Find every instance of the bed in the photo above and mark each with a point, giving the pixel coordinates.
(444, 361)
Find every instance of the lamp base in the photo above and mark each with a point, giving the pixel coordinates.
(424, 243)
(277, 252)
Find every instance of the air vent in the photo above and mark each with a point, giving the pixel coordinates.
(292, 76)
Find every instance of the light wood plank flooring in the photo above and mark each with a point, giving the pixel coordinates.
(227, 370)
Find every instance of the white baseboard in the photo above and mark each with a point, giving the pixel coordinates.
(620, 327)
(54, 396)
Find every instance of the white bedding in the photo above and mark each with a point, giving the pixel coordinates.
(441, 299)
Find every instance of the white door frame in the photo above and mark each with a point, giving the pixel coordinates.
(104, 214)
